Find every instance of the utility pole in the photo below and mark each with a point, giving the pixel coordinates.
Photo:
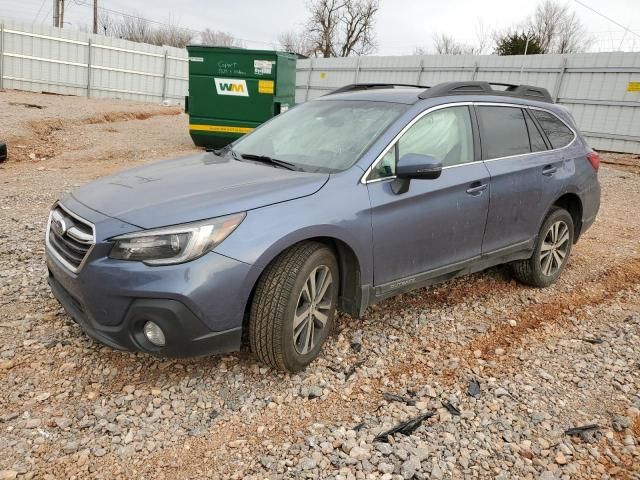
(61, 17)
(56, 13)
(95, 16)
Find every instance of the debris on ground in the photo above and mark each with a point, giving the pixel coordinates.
(405, 428)
(474, 388)
(392, 397)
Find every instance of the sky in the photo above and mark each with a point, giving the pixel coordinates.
(402, 25)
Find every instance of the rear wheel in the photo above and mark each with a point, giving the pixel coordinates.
(294, 306)
(551, 252)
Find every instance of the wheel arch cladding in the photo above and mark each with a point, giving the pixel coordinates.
(349, 298)
(571, 203)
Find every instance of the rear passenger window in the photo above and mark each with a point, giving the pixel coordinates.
(558, 133)
(537, 142)
(504, 132)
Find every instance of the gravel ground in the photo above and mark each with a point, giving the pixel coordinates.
(497, 372)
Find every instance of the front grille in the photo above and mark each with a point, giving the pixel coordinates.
(69, 237)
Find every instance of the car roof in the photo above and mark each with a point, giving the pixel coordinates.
(406, 95)
(410, 94)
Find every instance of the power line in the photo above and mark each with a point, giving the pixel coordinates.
(607, 18)
(35, 19)
(85, 3)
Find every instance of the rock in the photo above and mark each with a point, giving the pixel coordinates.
(307, 463)
(408, 469)
(32, 423)
(621, 423)
(501, 392)
(314, 392)
(6, 365)
(70, 447)
(359, 453)
(43, 396)
(436, 472)
(561, 459)
(99, 452)
(385, 467)
(8, 474)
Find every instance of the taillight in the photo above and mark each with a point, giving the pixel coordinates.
(594, 160)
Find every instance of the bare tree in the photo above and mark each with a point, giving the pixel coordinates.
(298, 43)
(447, 45)
(483, 39)
(557, 29)
(219, 38)
(138, 29)
(171, 35)
(340, 28)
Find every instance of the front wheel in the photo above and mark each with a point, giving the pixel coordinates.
(294, 306)
(551, 252)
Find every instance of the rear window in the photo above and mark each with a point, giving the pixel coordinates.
(537, 142)
(558, 133)
(504, 132)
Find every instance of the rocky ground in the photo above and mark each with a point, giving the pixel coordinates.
(483, 377)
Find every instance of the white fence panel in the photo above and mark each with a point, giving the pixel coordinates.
(592, 85)
(75, 63)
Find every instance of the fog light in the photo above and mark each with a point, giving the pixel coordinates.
(154, 334)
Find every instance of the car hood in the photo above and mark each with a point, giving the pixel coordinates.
(194, 188)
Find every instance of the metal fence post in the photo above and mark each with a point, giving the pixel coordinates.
(556, 90)
(89, 68)
(357, 72)
(476, 67)
(164, 75)
(306, 95)
(420, 69)
(1, 56)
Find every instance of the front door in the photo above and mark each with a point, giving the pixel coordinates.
(436, 223)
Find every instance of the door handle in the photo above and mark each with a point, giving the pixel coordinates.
(549, 170)
(476, 188)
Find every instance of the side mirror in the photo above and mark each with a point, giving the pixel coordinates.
(414, 166)
(3, 152)
(419, 167)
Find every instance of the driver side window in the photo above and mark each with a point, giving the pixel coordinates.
(445, 134)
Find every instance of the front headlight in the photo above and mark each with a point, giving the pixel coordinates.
(177, 244)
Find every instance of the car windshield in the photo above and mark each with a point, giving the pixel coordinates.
(321, 136)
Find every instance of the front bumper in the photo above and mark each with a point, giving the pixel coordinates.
(186, 335)
(199, 305)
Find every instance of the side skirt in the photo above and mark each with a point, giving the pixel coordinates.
(374, 294)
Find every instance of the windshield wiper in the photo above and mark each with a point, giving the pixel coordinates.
(266, 159)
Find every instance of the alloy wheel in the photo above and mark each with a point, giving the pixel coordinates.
(554, 248)
(312, 309)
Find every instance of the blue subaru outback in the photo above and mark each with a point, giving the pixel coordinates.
(341, 202)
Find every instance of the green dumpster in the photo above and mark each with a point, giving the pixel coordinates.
(233, 90)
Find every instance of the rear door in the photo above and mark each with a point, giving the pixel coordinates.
(510, 142)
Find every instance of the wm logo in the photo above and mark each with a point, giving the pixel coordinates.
(231, 86)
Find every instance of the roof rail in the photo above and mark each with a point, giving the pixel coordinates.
(367, 86)
(485, 88)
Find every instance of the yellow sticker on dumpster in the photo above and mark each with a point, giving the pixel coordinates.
(265, 86)
(633, 87)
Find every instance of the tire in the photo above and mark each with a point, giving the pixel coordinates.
(542, 270)
(285, 289)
